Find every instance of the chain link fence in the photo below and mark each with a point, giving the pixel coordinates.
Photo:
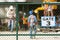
(20, 33)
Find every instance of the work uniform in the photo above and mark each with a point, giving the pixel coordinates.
(50, 10)
(32, 23)
(11, 15)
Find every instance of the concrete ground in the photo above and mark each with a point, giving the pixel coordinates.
(28, 37)
(27, 32)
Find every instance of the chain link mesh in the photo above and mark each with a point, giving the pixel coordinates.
(21, 30)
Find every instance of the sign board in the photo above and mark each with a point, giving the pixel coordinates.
(48, 21)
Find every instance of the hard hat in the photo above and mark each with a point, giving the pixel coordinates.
(31, 12)
(24, 13)
(20, 12)
(11, 7)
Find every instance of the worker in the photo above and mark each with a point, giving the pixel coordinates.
(32, 21)
(11, 16)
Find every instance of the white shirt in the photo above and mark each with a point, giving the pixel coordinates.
(10, 0)
(20, 0)
(49, 8)
(11, 14)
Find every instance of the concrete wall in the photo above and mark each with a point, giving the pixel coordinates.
(20, 0)
(12, 0)
(3, 10)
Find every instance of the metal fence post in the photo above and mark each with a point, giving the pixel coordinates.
(16, 21)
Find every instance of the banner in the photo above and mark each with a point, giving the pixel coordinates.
(48, 21)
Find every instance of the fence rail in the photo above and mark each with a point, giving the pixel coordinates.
(29, 3)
